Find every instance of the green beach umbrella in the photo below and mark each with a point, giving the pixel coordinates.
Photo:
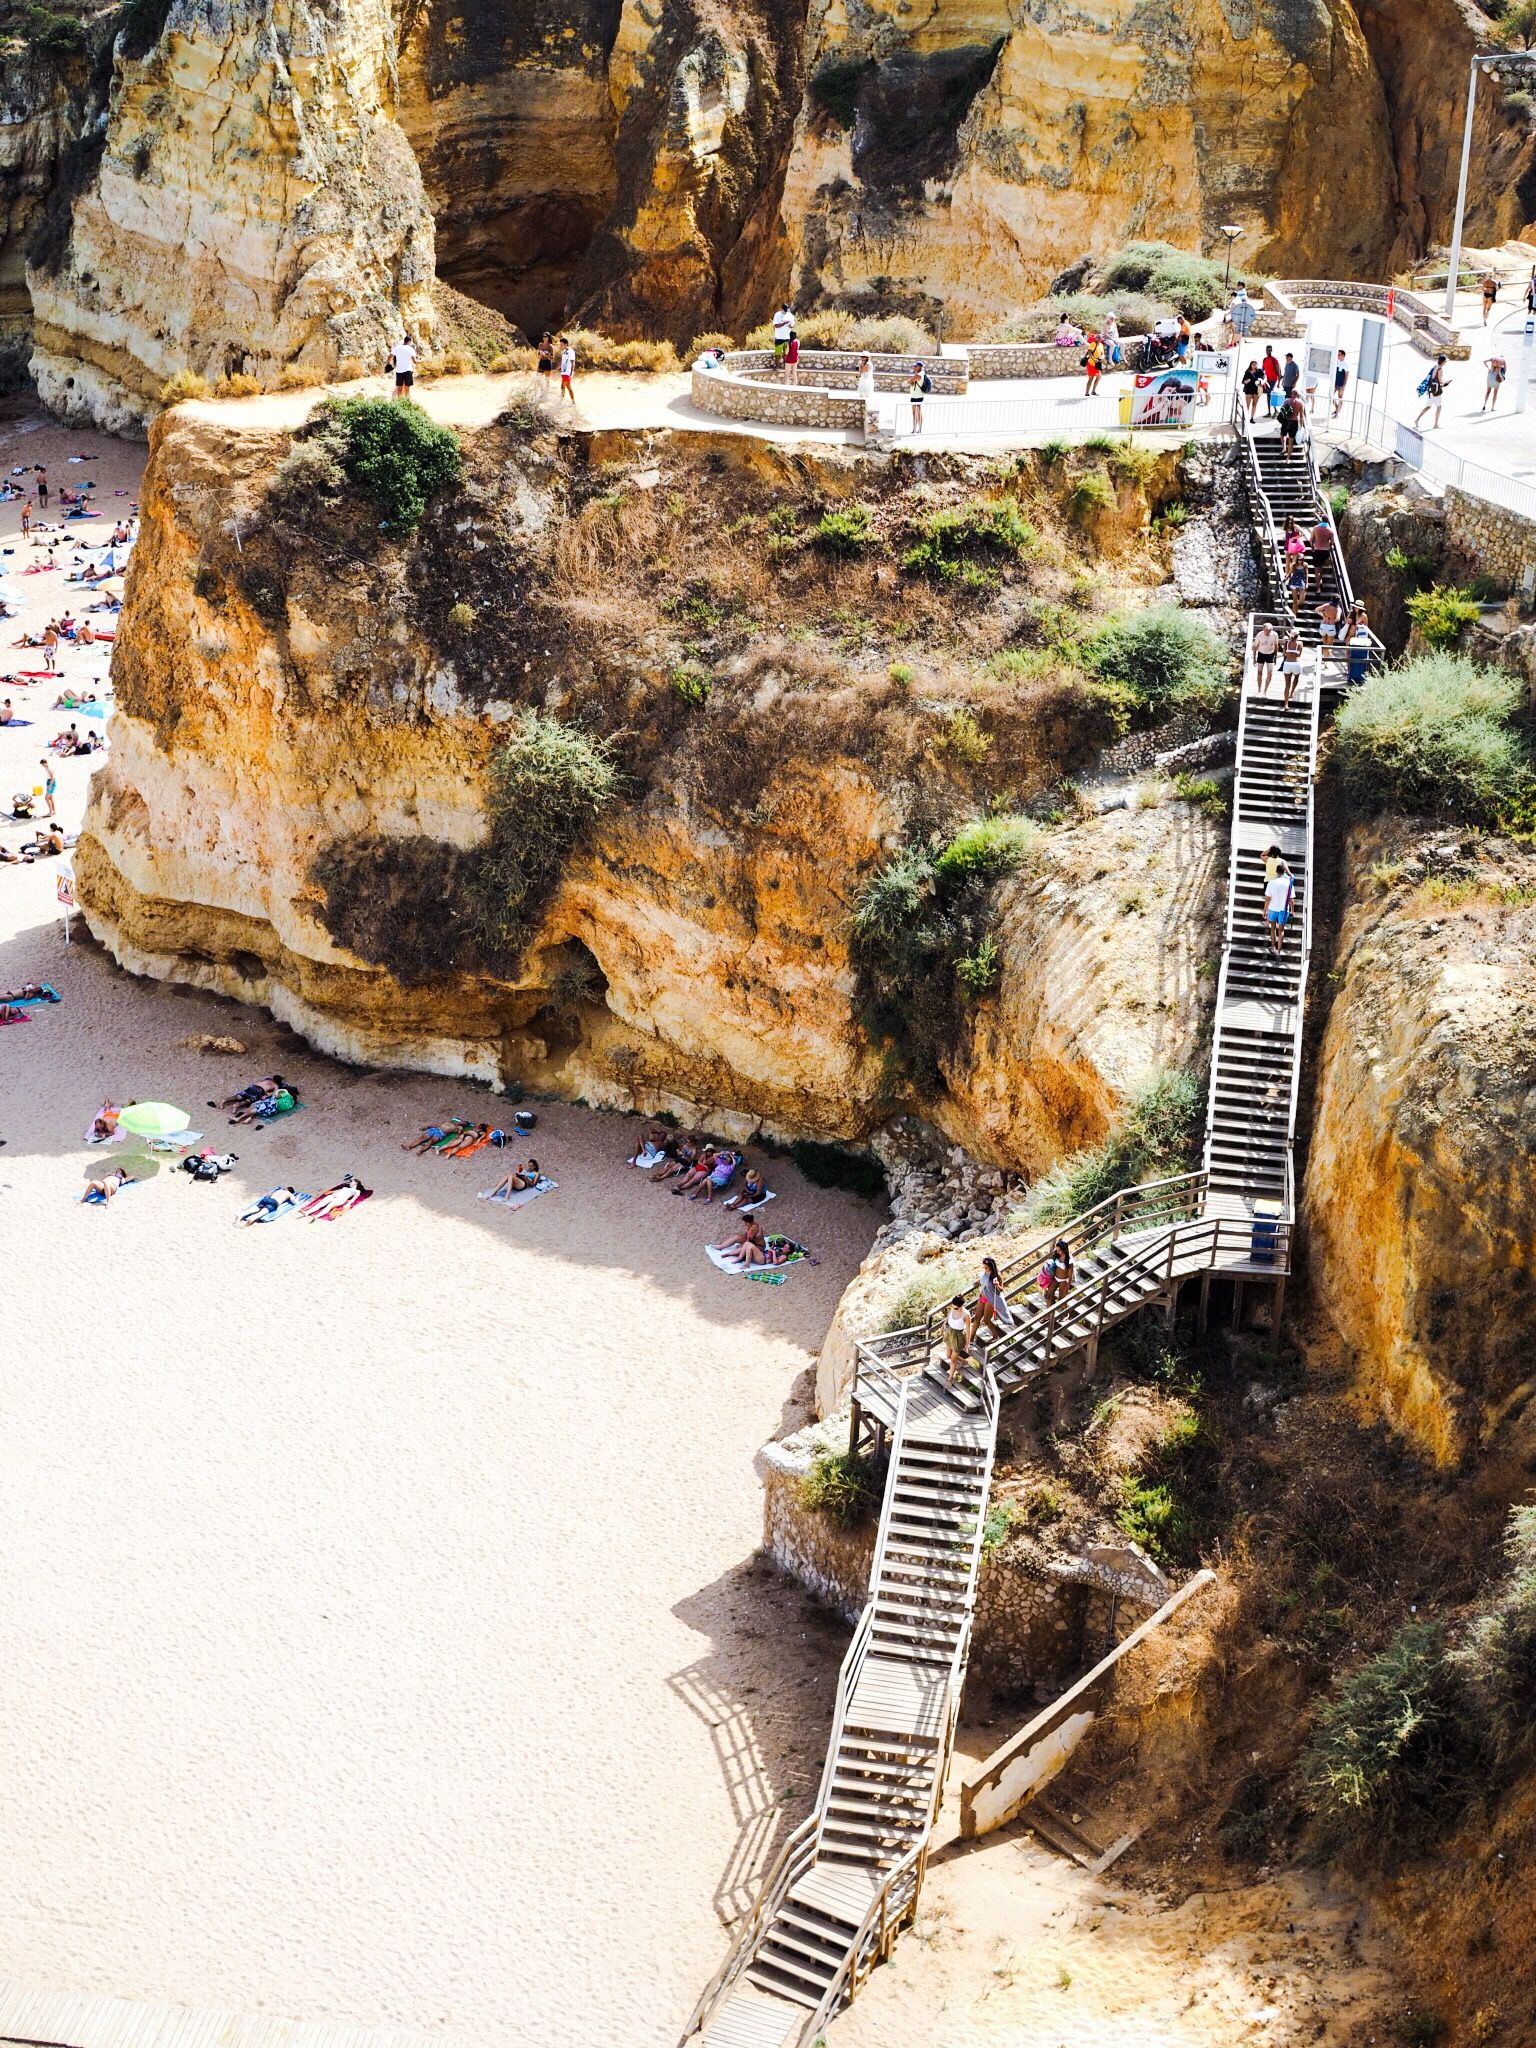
(153, 1119)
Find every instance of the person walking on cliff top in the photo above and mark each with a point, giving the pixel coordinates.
(1498, 370)
(919, 384)
(1093, 363)
(1490, 294)
(1290, 376)
(1433, 386)
(567, 368)
(403, 361)
(1340, 381)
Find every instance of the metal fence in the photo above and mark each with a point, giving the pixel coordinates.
(1069, 413)
(1365, 418)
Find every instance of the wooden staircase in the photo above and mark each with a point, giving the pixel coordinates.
(847, 1880)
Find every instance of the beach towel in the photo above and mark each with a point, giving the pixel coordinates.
(542, 1186)
(9, 1014)
(253, 1212)
(46, 993)
(173, 1141)
(647, 1157)
(99, 1199)
(356, 1196)
(749, 1208)
(771, 1276)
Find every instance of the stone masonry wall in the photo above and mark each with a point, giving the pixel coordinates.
(788, 405)
(1487, 540)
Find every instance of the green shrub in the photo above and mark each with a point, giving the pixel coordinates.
(1440, 734)
(979, 972)
(1387, 1763)
(844, 531)
(1054, 450)
(1132, 463)
(902, 674)
(1166, 1504)
(1442, 613)
(1204, 792)
(1191, 283)
(1090, 495)
(57, 34)
(1157, 1135)
(1338, 498)
(1101, 444)
(547, 783)
(700, 342)
(1162, 658)
(1001, 1516)
(843, 1486)
(936, 1281)
(964, 739)
(922, 937)
(462, 615)
(987, 848)
(1416, 571)
(987, 528)
(394, 454)
(692, 683)
(1496, 1655)
(888, 334)
(598, 352)
(839, 1166)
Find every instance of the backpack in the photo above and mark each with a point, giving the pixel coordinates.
(1426, 384)
(927, 384)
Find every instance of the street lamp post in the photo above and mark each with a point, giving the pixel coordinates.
(1231, 234)
(1511, 63)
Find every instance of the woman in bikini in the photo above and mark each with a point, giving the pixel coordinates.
(747, 1244)
(517, 1182)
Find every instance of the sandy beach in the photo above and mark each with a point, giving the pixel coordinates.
(385, 1637)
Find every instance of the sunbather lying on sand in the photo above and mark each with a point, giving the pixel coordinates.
(103, 1124)
(333, 1202)
(32, 992)
(277, 1103)
(265, 1207)
(104, 1189)
(251, 1092)
(473, 1138)
(433, 1137)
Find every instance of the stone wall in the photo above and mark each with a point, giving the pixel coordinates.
(1039, 1618)
(1429, 334)
(1031, 358)
(787, 405)
(1487, 540)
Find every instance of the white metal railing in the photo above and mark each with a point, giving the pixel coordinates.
(1365, 418)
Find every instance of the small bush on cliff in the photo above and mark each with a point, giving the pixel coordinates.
(987, 529)
(1496, 1655)
(835, 87)
(922, 936)
(184, 384)
(1438, 734)
(394, 454)
(1161, 660)
(843, 1486)
(1442, 613)
(1192, 283)
(843, 531)
(548, 782)
(41, 29)
(1387, 1766)
(1157, 1135)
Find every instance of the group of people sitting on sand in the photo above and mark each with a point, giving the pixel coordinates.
(49, 839)
(71, 742)
(460, 1138)
(698, 1169)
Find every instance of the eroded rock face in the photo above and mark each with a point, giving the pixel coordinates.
(1421, 1188)
(255, 203)
(694, 954)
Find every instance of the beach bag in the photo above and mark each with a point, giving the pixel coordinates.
(1425, 383)
(524, 1121)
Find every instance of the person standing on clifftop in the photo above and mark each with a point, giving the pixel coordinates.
(783, 328)
(403, 359)
(1340, 381)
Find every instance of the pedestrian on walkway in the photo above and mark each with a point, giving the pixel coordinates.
(1296, 582)
(867, 379)
(546, 357)
(1322, 550)
(1328, 619)
(1279, 896)
(1433, 386)
(50, 784)
(1253, 384)
(1270, 367)
(1498, 370)
(1490, 294)
(991, 1310)
(1109, 334)
(1241, 314)
(1289, 420)
(1290, 376)
(792, 360)
(403, 361)
(957, 1343)
(1266, 645)
(567, 368)
(1313, 382)
(1340, 381)
(1093, 363)
(783, 328)
(1290, 664)
(1530, 292)
(919, 385)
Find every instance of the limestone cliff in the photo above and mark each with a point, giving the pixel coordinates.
(1420, 1189)
(254, 203)
(295, 802)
